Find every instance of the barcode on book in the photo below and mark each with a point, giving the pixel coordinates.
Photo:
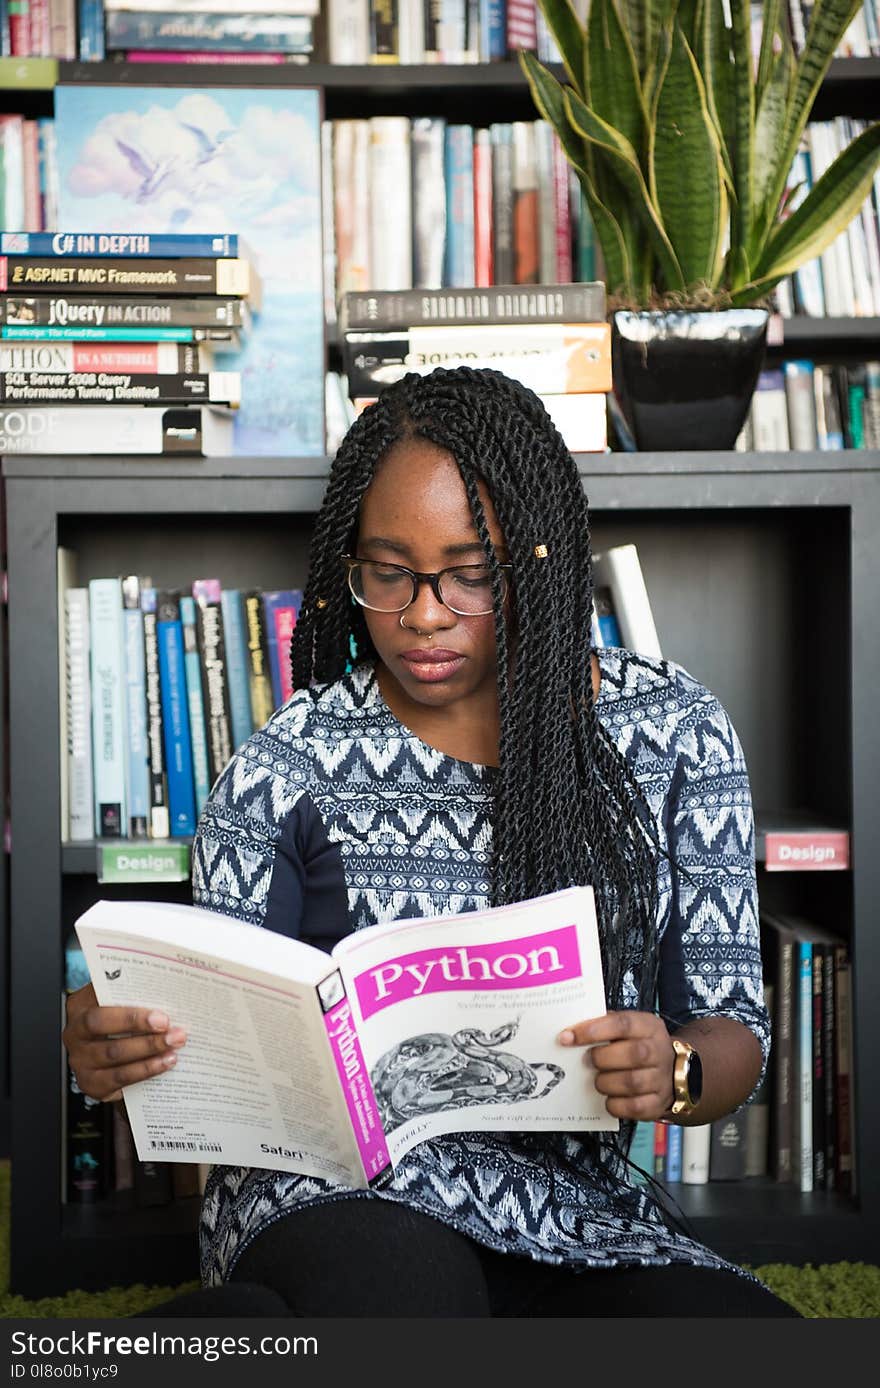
(158, 1146)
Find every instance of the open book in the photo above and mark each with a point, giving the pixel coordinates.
(337, 1065)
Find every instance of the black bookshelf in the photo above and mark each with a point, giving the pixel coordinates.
(763, 571)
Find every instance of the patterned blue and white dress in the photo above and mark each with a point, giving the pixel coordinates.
(334, 811)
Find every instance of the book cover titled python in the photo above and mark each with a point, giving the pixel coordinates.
(221, 159)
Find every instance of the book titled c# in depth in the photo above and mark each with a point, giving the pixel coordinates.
(337, 1065)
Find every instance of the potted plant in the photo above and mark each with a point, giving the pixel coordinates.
(683, 144)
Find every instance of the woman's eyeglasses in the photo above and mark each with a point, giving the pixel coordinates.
(465, 589)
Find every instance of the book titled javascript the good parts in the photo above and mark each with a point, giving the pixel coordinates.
(337, 1065)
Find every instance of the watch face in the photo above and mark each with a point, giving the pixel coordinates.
(695, 1077)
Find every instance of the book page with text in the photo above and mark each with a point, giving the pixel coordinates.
(255, 1083)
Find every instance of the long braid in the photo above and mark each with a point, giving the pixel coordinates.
(567, 808)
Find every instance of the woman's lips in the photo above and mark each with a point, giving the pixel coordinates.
(431, 666)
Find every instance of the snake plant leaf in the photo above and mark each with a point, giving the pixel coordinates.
(744, 122)
(549, 97)
(714, 57)
(620, 156)
(568, 32)
(736, 268)
(769, 37)
(614, 91)
(769, 140)
(643, 20)
(688, 172)
(826, 211)
(829, 21)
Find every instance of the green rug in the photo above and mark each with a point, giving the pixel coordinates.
(831, 1290)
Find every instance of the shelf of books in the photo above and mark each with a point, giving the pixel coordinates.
(760, 580)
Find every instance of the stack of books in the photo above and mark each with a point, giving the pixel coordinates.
(159, 687)
(107, 341)
(551, 337)
(187, 31)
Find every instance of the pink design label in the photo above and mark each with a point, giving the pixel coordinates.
(533, 961)
(807, 852)
(359, 1097)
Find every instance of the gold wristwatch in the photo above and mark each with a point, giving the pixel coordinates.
(687, 1078)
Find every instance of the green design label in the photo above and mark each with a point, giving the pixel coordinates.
(148, 862)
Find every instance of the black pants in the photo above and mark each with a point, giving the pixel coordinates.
(376, 1258)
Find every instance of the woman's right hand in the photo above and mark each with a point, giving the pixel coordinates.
(110, 1047)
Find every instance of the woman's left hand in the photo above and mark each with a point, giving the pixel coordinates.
(633, 1056)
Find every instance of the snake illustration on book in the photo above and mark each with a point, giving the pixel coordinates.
(437, 1071)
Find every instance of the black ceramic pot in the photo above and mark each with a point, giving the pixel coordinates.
(685, 380)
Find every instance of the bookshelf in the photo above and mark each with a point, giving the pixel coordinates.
(757, 564)
(763, 571)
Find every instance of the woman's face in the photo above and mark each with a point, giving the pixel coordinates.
(415, 512)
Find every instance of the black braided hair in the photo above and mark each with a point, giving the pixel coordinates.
(568, 810)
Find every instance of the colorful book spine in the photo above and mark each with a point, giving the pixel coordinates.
(195, 275)
(146, 430)
(212, 650)
(108, 706)
(81, 809)
(459, 163)
(175, 716)
(81, 312)
(88, 1139)
(137, 759)
(804, 1108)
(159, 825)
(493, 31)
(259, 670)
(134, 358)
(641, 1153)
(121, 244)
(673, 1153)
(281, 608)
(119, 388)
(195, 702)
(501, 139)
(235, 640)
(207, 31)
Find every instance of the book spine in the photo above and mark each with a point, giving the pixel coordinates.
(564, 260)
(159, 825)
(108, 706)
(262, 699)
(137, 751)
(603, 604)
(195, 702)
(348, 31)
(498, 304)
(148, 358)
(842, 1068)
(493, 31)
(354, 1081)
(526, 211)
(87, 1122)
(236, 665)
(175, 716)
(209, 627)
(501, 139)
(552, 359)
(81, 816)
(81, 311)
(543, 132)
(193, 275)
(103, 388)
(758, 1111)
(818, 1123)
(390, 175)
(180, 30)
(383, 32)
(661, 1134)
(351, 206)
(459, 162)
(429, 205)
(483, 270)
(641, 1152)
(620, 567)
(117, 244)
(727, 1148)
(674, 1145)
(828, 1049)
(783, 1062)
(280, 609)
(118, 430)
(804, 1116)
(695, 1144)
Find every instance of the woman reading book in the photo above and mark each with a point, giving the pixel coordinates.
(454, 743)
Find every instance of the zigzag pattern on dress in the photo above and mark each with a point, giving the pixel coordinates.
(413, 827)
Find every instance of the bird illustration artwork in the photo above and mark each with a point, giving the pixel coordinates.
(152, 174)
